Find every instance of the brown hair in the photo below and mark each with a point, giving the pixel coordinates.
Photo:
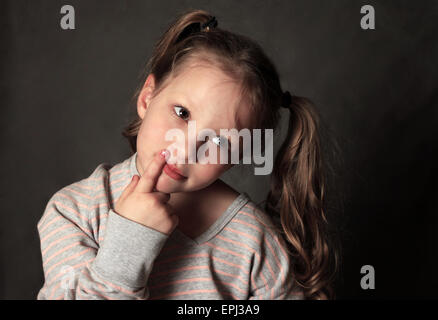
(296, 196)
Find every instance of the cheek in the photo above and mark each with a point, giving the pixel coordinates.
(208, 172)
(152, 134)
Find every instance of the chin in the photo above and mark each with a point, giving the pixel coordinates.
(168, 185)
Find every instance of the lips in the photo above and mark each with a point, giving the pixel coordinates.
(173, 172)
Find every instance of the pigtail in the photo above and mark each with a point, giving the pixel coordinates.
(297, 194)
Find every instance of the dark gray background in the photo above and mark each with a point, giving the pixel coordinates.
(65, 96)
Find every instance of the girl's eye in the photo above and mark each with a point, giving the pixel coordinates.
(219, 141)
(181, 112)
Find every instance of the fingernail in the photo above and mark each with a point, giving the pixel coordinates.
(164, 153)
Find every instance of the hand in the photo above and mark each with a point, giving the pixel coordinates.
(140, 203)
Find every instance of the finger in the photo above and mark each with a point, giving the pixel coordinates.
(150, 176)
(130, 187)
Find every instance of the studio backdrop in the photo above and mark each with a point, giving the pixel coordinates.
(66, 95)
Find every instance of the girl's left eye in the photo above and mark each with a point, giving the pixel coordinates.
(181, 112)
(219, 141)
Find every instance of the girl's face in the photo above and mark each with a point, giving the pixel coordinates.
(201, 93)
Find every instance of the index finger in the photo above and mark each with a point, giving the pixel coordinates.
(150, 175)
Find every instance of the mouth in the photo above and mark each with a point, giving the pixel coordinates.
(173, 172)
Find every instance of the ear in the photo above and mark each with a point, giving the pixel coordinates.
(145, 96)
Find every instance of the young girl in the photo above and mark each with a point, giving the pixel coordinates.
(148, 229)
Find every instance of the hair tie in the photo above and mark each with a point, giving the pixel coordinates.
(286, 100)
(210, 24)
(197, 27)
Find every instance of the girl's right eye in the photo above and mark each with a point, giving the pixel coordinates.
(181, 112)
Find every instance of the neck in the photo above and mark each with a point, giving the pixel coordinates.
(189, 203)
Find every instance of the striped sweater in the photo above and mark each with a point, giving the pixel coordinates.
(91, 252)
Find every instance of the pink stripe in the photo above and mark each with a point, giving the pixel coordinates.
(198, 255)
(118, 171)
(103, 194)
(54, 290)
(248, 224)
(156, 274)
(243, 234)
(228, 251)
(71, 209)
(83, 205)
(157, 262)
(277, 240)
(78, 193)
(82, 186)
(91, 207)
(197, 280)
(60, 274)
(99, 178)
(179, 281)
(102, 216)
(49, 223)
(55, 231)
(60, 193)
(69, 258)
(102, 289)
(59, 240)
(193, 292)
(61, 251)
(92, 291)
(62, 228)
(248, 247)
(117, 181)
(239, 244)
(94, 188)
(72, 200)
(66, 226)
(231, 264)
(280, 268)
(44, 217)
(118, 287)
(82, 263)
(233, 276)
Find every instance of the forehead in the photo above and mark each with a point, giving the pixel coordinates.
(209, 93)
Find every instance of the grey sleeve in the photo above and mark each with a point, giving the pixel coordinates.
(128, 252)
(75, 268)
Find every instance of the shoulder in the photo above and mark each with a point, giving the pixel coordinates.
(87, 198)
(255, 227)
(255, 218)
(271, 270)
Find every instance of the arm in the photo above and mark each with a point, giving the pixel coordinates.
(271, 276)
(76, 268)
